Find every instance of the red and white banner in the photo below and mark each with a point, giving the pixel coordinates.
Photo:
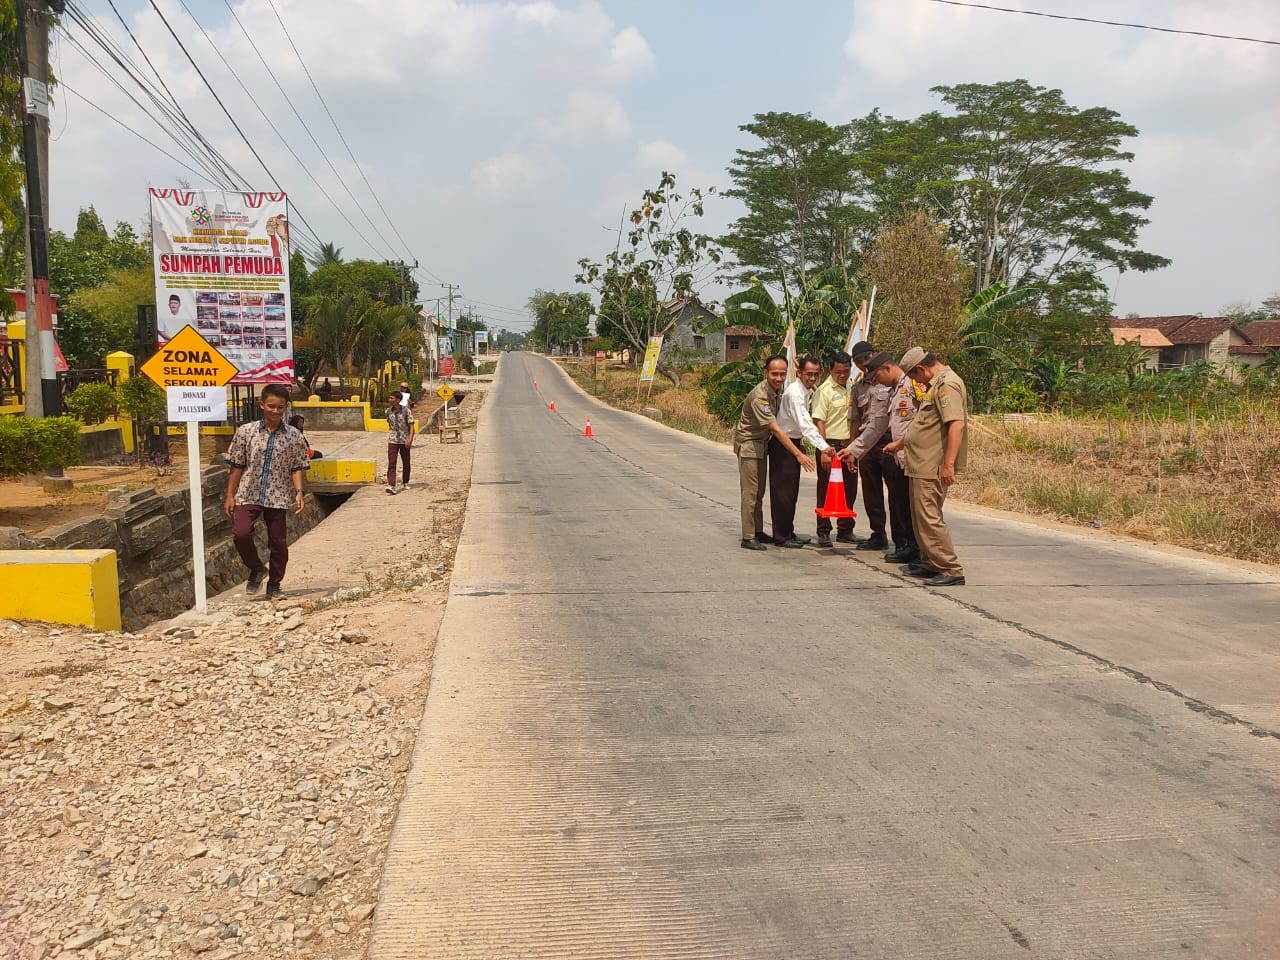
(222, 266)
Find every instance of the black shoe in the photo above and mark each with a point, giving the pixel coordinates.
(273, 591)
(924, 573)
(824, 539)
(945, 580)
(877, 541)
(849, 537)
(255, 581)
(753, 545)
(903, 555)
(764, 538)
(802, 537)
(795, 543)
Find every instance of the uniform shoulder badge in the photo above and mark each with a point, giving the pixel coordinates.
(766, 408)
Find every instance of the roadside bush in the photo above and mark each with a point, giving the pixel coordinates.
(142, 399)
(1015, 398)
(29, 446)
(92, 402)
(465, 363)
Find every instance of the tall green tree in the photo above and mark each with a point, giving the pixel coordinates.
(1032, 187)
(803, 190)
(327, 253)
(378, 281)
(658, 258)
(560, 317)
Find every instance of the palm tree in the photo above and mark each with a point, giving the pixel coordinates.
(328, 253)
(333, 328)
(387, 333)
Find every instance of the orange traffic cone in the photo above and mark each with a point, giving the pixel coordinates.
(587, 432)
(552, 406)
(835, 505)
(535, 384)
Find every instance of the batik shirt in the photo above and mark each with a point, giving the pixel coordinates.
(399, 425)
(269, 459)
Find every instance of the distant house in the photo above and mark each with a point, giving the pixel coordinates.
(691, 336)
(740, 341)
(1151, 341)
(1190, 338)
(1264, 337)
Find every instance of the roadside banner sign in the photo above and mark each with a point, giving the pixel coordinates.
(601, 364)
(651, 358)
(222, 266)
(189, 360)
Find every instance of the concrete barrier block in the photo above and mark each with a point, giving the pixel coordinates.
(342, 471)
(61, 586)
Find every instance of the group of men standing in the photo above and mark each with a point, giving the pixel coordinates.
(901, 426)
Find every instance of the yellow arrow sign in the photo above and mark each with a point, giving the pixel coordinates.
(189, 360)
(445, 392)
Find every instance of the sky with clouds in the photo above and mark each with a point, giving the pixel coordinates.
(506, 139)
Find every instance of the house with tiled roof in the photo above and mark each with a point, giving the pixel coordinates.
(694, 331)
(1264, 337)
(1190, 338)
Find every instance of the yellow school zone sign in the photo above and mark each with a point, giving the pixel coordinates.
(189, 360)
(445, 392)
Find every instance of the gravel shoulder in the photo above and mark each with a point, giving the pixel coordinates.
(224, 786)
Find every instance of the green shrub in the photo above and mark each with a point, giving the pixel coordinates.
(92, 402)
(465, 363)
(142, 399)
(1015, 398)
(29, 446)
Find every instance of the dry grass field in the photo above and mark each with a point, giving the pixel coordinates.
(1210, 484)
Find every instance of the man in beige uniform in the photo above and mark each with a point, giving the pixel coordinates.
(756, 424)
(934, 449)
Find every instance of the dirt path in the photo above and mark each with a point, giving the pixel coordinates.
(225, 786)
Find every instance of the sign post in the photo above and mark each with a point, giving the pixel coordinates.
(652, 349)
(194, 376)
(445, 393)
(601, 364)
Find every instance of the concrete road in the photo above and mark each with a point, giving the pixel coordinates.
(642, 741)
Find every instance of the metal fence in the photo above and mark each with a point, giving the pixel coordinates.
(68, 380)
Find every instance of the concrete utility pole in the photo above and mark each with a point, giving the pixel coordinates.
(453, 335)
(33, 61)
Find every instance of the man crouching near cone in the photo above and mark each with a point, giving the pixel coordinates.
(268, 459)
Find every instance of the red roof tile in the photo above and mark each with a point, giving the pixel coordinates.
(1264, 333)
(1185, 329)
(744, 332)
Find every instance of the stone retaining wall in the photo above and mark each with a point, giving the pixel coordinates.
(151, 534)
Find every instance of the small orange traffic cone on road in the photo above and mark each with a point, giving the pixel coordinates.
(552, 406)
(835, 505)
(587, 432)
(535, 384)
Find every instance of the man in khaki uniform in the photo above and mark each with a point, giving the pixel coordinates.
(756, 424)
(934, 448)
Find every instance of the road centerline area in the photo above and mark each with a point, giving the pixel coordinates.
(643, 742)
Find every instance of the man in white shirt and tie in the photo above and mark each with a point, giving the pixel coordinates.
(784, 467)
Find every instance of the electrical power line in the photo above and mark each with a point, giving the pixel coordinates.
(275, 129)
(266, 66)
(1109, 23)
(305, 70)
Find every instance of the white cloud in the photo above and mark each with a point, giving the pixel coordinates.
(505, 175)
(590, 116)
(630, 55)
(658, 155)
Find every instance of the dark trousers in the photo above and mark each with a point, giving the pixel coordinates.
(899, 501)
(394, 450)
(872, 470)
(784, 489)
(243, 520)
(850, 479)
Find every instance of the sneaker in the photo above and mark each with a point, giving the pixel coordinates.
(255, 581)
(824, 539)
(391, 490)
(404, 486)
(753, 545)
(273, 591)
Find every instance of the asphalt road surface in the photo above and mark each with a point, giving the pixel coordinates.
(642, 741)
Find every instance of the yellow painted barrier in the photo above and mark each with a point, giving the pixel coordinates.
(342, 471)
(61, 586)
